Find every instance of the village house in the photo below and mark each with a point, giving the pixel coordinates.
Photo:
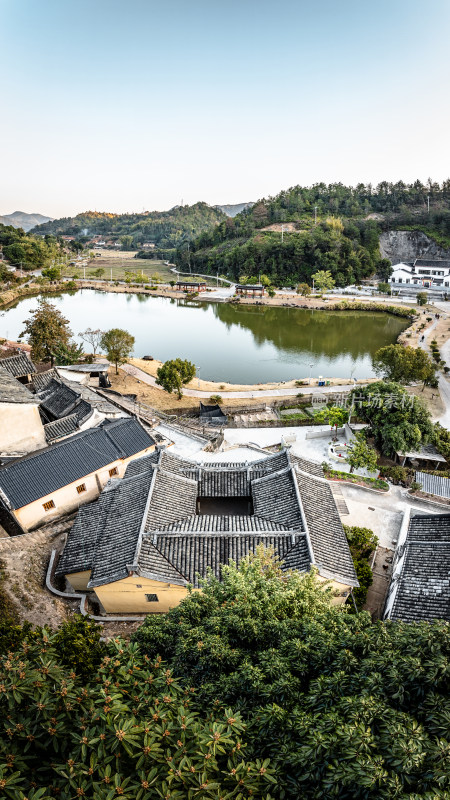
(420, 585)
(21, 428)
(159, 530)
(57, 480)
(423, 272)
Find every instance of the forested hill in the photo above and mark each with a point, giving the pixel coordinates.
(332, 227)
(24, 250)
(164, 228)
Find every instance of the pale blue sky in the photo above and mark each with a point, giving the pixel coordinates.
(120, 105)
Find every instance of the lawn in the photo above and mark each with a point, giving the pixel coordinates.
(116, 264)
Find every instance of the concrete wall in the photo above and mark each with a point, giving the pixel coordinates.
(21, 429)
(67, 498)
(128, 595)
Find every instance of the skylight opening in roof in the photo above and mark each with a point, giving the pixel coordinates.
(225, 506)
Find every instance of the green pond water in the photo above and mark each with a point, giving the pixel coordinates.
(240, 344)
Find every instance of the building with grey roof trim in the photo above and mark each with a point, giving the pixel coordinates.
(19, 366)
(156, 540)
(420, 584)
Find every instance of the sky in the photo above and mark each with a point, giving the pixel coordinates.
(131, 105)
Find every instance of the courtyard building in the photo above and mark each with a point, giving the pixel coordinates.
(159, 530)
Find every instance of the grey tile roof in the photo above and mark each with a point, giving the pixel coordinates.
(43, 472)
(192, 555)
(174, 497)
(328, 541)
(275, 498)
(211, 523)
(434, 484)
(18, 366)
(40, 380)
(60, 428)
(12, 391)
(432, 262)
(307, 466)
(423, 591)
(58, 400)
(89, 395)
(96, 366)
(143, 464)
(427, 451)
(119, 530)
(81, 542)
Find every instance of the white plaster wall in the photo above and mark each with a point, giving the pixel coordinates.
(21, 429)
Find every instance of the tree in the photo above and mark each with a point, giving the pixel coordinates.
(360, 455)
(384, 269)
(126, 242)
(45, 329)
(303, 289)
(70, 353)
(99, 272)
(323, 280)
(118, 345)
(422, 298)
(404, 364)
(343, 708)
(93, 337)
(398, 421)
(385, 288)
(52, 273)
(173, 374)
(334, 415)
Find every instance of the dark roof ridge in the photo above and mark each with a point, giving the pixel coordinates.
(144, 517)
(228, 534)
(309, 474)
(272, 475)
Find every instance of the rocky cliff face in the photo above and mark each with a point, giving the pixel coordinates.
(400, 246)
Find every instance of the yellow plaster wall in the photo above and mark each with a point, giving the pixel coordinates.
(67, 498)
(128, 596)
(21, 429)
(79, 580)
(342, 588)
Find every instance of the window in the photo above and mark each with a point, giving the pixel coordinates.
(139, 586)
(49, 505)
(393, 280)
(151, 598)
(400, 280)
(113, 471)
(407, 280)
(81, 488)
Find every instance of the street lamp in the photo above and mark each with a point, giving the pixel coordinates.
(198, 376)
(310, 370)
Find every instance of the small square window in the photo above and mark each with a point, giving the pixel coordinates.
(81, 488)
(151, 598)
(113, 471)
(139, 586)
(49, 505)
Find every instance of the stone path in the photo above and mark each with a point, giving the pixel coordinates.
(444, 386)
(138, 373)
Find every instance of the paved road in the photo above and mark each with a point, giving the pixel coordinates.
(288, 392)
(444, 386)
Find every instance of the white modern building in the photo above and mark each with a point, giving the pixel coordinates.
(426, 272)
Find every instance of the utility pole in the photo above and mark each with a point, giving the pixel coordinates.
(282, 233)
(310, 371)
(428, 200)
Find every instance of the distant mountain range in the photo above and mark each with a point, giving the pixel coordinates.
(231, 211)
(19, 219)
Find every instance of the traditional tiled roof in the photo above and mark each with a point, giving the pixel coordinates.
(18, 366)
(81, 542)
(119, 530)
(44, 471)
(434, 484)
(191, 556)
(423, 585)
(59, 400)
(41, 380)
(274, 497)
(175, 544)
(61, 428)
(12, 391)
(427, 451)
(89, 395)
(329, 545)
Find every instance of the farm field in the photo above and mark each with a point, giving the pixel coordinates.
(116, 264)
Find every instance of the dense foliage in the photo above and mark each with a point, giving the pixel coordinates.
(46, 330)
(125, 727)
(343, 708)
(362, 543)
(269, 692)
(404, 364)
(398, 421)
(174, 374)
(25, 250)
(164, 228)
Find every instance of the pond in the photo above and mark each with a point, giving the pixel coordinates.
(239, 344)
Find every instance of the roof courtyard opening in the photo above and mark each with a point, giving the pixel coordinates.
(225, 506)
